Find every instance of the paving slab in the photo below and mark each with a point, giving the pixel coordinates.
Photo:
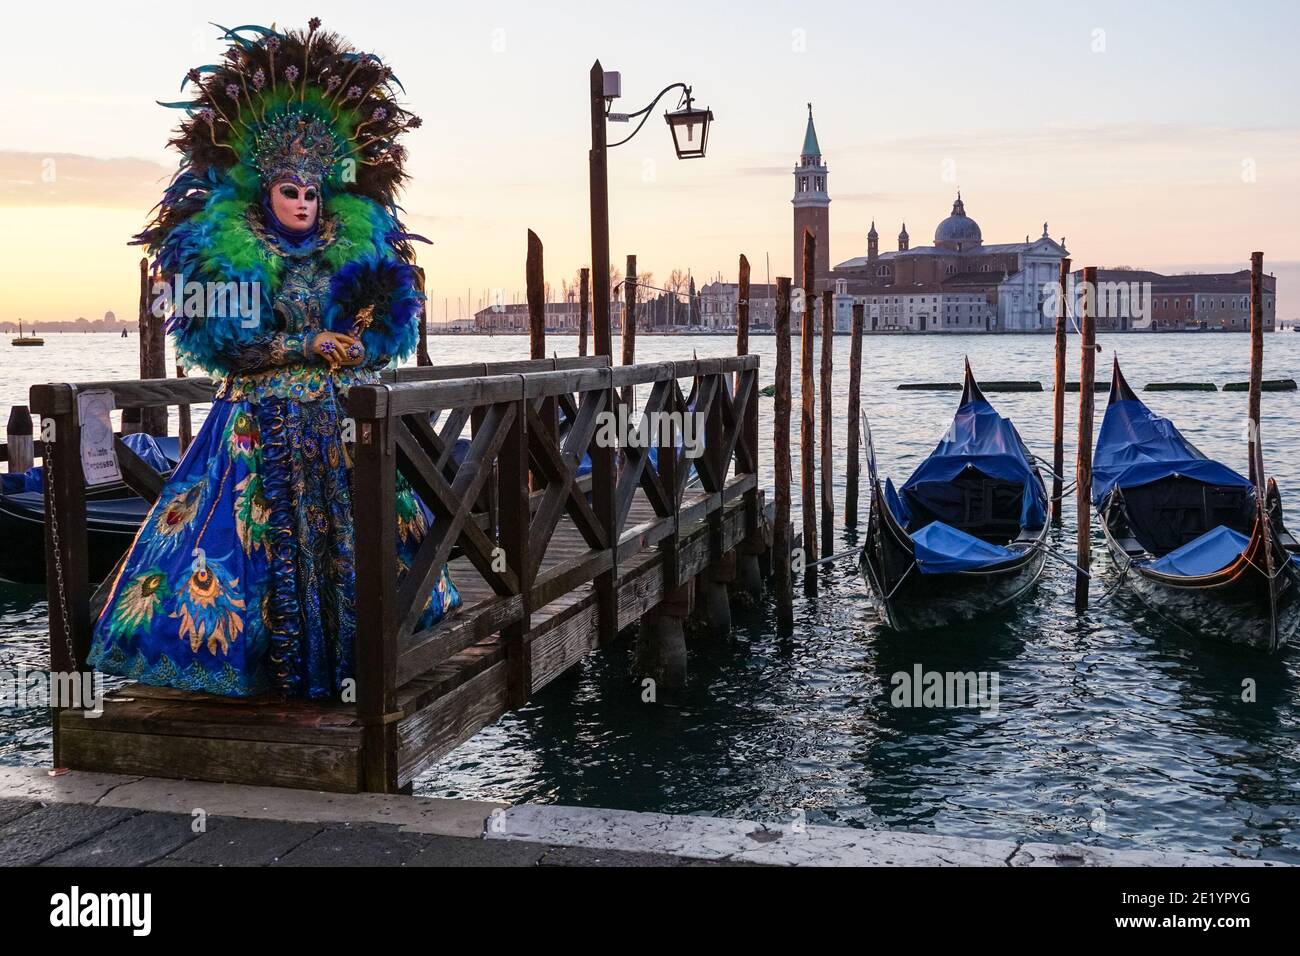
(234, 841)
(136, 841)
(52, 828)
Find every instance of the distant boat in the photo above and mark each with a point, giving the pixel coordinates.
(21, 339)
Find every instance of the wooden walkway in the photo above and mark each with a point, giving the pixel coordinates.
(588, 557)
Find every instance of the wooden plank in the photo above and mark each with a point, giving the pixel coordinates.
(452, 719)
(266, 763)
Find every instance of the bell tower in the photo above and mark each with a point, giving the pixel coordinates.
(811, 205)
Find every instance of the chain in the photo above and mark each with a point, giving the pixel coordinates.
(52, 517)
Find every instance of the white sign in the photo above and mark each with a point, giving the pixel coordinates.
(98, 459)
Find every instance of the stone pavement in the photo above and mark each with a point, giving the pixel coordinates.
(89, 819)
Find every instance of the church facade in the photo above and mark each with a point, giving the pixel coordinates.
(956, 284)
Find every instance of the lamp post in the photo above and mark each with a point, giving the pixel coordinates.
(690, 131)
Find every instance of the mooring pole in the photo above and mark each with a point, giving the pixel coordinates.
(629, 325)
(604, 474)
(808, 418)
(422, 350)
(827, 466)
(1256, 368)
(18, 435)
(855, 411)
(584, 304)
(781, 451)
(1058, 396)
(153, 352)
(1083, 494)
(742, 316)
(535, 283)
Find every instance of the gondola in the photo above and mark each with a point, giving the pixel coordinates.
(966, 534)
(113, 515)
(1189, 534)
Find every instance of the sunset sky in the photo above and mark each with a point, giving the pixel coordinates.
(1159, 135)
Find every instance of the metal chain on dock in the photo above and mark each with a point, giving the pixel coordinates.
(58, 557)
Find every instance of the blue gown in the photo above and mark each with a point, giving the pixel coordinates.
(242, 578)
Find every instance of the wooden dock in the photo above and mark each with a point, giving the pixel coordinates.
(550, 565)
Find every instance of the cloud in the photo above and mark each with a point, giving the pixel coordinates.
(70, 179)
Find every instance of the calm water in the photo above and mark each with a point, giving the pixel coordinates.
(1111, 730)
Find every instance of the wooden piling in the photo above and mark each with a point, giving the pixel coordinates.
(742, 315)
(1058, 397)
(603, 472)
(422, 350)
(781, 453)
(184, 418)
(808, 418)
(18, 437)
(1256, 368)
(584, 300)
(1083, 474)
(153, 350)
(629, 324)
(827, 466)
(535, 283)
(855, 413)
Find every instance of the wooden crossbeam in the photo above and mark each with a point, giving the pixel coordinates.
(451, 505)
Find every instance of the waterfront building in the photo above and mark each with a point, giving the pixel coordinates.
(1134, 300)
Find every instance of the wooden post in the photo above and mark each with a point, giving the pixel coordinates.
(184, 419)
(512, 465)
(153, 351)
(781, 451)
(827, 466)
(1083, 494)
(18, 435)
(855, 413)
(603, 474)
(1256, 369)
(1058, 396)
(583, 305)
(742, 315)
(422, 350)
(535, 283)
(67, 573)
(808, 418)
(375, 505)
(629, 326)
(534, 277)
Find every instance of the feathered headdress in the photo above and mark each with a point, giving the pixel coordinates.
(300, 105)
(307, 107)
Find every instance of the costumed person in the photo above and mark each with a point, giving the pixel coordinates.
(241, 579)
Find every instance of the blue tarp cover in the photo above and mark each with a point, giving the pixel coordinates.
(983, 439)
(943, 549)
(1136, 447)
(148, 448)
(1212, 551)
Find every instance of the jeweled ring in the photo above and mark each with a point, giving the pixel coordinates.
(355, 351)
(327, 346)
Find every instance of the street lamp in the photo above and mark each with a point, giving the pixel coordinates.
(690, 130)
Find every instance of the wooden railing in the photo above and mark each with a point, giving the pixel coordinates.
(500, 505)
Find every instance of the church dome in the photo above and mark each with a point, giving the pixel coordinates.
(958, 231)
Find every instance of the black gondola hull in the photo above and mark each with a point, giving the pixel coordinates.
(111, 526)
(911, 601)
(1231, 606)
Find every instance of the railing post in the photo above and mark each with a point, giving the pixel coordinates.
(604, 479)
(67, 575)
(374, 507)
(512, 469)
